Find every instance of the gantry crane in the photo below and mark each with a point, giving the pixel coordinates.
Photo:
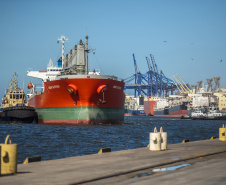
(150, 83)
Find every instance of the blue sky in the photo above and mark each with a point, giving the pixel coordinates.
(194, 31)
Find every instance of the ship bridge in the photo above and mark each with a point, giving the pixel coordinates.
(46, 75)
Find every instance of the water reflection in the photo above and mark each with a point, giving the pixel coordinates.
(170, 168)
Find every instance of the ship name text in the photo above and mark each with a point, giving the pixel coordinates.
(54, 87)
(117, 87)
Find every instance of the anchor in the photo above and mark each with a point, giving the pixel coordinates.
(102, 89)
(103, 101)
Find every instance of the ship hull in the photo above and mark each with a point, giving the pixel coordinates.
(175, 111)
(88, 104)
(80, 115)
(135, 112)
(17, 114)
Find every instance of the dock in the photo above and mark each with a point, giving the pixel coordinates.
(198, 162)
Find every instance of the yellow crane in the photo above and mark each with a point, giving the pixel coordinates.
(180, 84)
(177, 86)
(188, 90)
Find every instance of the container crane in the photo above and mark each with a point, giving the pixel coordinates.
(150, 83)
(155, 70)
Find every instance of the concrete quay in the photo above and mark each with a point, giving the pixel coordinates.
(201, 162)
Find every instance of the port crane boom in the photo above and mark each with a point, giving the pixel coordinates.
(188, 90)
(180, 84)
(181, 91)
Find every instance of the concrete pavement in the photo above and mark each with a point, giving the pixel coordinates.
(206, 161)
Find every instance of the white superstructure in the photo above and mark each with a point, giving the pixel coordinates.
(46, 75)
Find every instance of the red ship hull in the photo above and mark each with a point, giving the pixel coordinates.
(80, 101)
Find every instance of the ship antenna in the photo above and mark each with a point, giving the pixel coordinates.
(63, 39)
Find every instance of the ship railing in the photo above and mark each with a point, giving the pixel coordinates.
(95, 72)
(34, 93)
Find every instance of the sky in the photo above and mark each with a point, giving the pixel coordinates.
(186, 37)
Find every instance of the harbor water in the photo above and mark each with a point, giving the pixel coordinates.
(61, 141)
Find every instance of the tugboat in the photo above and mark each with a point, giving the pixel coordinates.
(13, 108)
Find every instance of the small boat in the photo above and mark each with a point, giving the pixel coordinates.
(185, 117)
(134, 106)
(19, 114)
(14, 108)
(211, 114)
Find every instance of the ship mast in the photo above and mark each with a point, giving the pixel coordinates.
(15, 82)
(87, 50)
(11, 86)
(63, 39)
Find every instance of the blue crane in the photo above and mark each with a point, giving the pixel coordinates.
(150, 83)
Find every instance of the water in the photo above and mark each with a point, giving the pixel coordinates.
(60, 141)
(170, 168)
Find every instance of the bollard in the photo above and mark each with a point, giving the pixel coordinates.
(8, 157)
(222, 133)
(0, 158)
(32, 159)
(185, 141)
(155, 141)
(104, 150)
(163, 139)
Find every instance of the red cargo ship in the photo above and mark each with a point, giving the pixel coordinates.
(72, 95)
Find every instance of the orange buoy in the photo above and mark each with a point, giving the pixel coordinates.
(30, 86)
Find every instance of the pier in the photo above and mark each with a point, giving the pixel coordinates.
(198, 162)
